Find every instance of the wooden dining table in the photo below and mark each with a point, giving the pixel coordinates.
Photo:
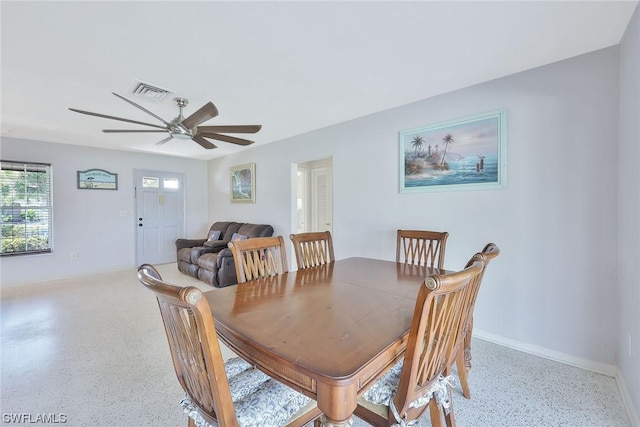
(327, 331)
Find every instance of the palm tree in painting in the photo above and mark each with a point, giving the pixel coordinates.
(417, 142)
(448, 139)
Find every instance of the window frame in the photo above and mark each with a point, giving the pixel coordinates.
(23, 207)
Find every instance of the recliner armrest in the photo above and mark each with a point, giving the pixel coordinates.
(189, 243)
(225, 253)
(226, 273)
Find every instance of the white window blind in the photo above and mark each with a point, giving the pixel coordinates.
(26, 207)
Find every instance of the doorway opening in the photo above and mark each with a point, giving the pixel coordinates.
(313, 196)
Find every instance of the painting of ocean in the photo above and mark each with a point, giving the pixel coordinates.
(464, 153)
(462, 171)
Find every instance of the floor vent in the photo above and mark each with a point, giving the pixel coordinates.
(150, 92)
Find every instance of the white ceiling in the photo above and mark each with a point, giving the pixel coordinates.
(291, 66)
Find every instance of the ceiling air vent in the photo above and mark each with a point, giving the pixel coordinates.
(150, 92)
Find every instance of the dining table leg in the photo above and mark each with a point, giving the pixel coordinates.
(337, 403)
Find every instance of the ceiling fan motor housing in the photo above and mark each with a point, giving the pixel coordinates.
(178, 130)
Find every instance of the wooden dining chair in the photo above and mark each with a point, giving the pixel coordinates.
(259, 257)
(403, 393)
(218, 393)
(461, 355)
(421, 247)
(312, 249)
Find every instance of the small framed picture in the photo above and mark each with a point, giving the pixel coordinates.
(97, 179)
(243, 183)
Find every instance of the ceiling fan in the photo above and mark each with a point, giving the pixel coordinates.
(182, 128)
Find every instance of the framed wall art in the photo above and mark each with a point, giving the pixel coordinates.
(97, 179)
(243, 183)
(463, 154)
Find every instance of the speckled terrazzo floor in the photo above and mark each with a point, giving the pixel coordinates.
(94, 350)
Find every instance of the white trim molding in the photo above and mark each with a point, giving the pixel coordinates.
(589, 365)
(626, 399)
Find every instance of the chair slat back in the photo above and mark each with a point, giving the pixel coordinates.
(461, 355)
(194, 346)
(421, 247)
(489, 252)
(312, 249)
(435, 325)
(259, 257)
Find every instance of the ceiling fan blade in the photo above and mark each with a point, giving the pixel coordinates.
(203, 142)
(142, 108)
(130, 130)
(89, 113)
(231, 129)
(165, 140)
(226, 138)
(206, 112)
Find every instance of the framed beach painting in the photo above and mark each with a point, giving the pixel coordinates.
(463, 154)
(97, 179)
(243, 183)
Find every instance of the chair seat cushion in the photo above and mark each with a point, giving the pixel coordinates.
(259, 400)
(385, 389)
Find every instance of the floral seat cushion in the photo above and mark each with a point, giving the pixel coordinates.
(383, 391)
(259, 400)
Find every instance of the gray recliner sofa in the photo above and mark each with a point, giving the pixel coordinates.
(210, 260)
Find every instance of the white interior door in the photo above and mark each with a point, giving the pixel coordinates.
(159, 215)
(301, 201)
(322, 199)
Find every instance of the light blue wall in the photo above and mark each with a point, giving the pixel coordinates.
(553, 285)
(628, 305)
(89, 222)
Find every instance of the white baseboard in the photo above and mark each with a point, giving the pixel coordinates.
(626, 398)
(589, 365)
